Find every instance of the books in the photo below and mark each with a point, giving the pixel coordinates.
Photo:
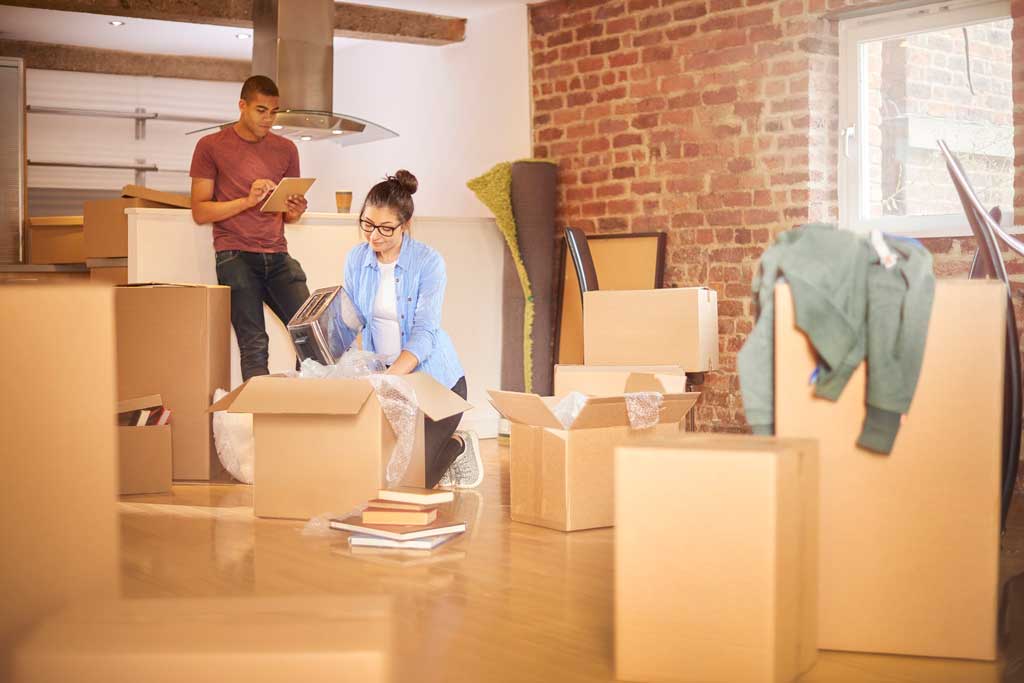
(399, 517)
(429, 543)
(145, 411)
(410, 494)
(380, 504)
(439, 527)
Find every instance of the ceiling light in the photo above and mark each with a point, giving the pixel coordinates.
(277, 127)
(306, 138)
(116, 23)
(242, 36)
(337, 132)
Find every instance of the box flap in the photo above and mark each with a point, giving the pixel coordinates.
(602, 411)
(139, 403)
(281, 395)
(436, 401)
(192, 285)
(528, 409)
(674, 407)
(168, 198)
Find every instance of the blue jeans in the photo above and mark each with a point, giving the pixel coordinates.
(255, 278)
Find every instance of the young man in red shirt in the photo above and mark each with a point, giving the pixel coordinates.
(233, 172)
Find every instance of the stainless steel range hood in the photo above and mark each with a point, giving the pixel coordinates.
(293, 43)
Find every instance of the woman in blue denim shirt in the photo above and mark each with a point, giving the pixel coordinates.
(398, 285)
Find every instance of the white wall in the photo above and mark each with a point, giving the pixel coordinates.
(458, 110)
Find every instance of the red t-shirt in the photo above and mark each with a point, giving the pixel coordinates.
(233, 164)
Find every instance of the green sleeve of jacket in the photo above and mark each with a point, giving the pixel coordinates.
(899, 309)
(756, 360)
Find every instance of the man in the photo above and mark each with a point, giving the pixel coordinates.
(233, 172)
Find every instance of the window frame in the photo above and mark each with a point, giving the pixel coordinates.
(853, 175)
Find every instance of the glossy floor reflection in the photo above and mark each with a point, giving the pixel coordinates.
(507, 602)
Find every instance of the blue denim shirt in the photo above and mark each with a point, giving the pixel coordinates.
(420, 279)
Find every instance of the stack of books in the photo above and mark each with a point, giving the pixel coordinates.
(404, 518)
(146, 411)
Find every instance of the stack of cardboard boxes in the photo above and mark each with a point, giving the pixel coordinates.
(633, 341)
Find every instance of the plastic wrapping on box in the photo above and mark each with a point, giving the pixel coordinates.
(354, 364)
(643, 409)
(568, 409)
(232, 436)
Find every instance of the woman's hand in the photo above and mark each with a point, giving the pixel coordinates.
(405, 364)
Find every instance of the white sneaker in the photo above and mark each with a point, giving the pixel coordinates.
(467, 471)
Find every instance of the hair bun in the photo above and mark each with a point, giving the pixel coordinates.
(407, 181)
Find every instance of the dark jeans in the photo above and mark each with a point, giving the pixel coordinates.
(255, 278)
(440, 446)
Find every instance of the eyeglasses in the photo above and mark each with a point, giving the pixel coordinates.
(386, 230)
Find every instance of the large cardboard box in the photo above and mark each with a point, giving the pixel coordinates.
(563, 478)
(106, 225)
(652, 327)
(606, 380)
(110, 271)
(55, 239)
(258, 639)
(716, 559)
(909, 541)
(58, 514)
(323, 445)
(174, 340)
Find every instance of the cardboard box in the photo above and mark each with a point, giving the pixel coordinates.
(55, 239)
(106, 225)
(58, 514)
(301, 638)
(652, 327)
(716, 559)
(323, 446)
(31, 275)
(173, 340)
(910, 541)
(563, 478)
(607, 380)
(144, 459)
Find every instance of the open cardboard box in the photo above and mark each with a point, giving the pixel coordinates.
(323, 445)
(563, 478)
(144, 453)
(676, 327)
(106, 225)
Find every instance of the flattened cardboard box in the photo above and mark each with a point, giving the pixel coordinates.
(607, 380)
(295, 638)
(563, 478)
(106, 225)
(58, 511)
(716, 559)
(652, 327)
(174, 340)
(323, 446)
(55, 239)
(910, 541)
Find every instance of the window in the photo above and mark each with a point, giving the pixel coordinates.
(907, 79)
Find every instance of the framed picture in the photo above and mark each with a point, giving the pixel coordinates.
(623, 261)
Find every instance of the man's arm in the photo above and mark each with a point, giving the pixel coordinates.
(205, 210)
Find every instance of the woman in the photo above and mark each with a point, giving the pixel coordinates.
(398, 285)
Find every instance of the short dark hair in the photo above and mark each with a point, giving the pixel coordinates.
(258, 84)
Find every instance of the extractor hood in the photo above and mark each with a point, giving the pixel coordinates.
(293, 44)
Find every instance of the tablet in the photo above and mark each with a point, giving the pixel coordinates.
(277, 202)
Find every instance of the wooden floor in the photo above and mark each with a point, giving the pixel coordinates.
(507, 602)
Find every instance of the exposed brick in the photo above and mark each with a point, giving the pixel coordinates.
(589, 31)
(621, 25)
(690, 11)
(600, 47)
(755, 18)
(645, 187)
(656, 54)
(577, 99)
(723, 96)
(679, 32)
(595, 145)
(621, 59)
(626, 139)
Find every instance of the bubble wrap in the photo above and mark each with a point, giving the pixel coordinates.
(643, 408)
(568, 409)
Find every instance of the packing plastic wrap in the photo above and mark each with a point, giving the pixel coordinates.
(232, 435)
(643, 409)
(397, 399)
(568, 409)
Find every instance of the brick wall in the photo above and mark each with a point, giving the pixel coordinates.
(714, 121)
